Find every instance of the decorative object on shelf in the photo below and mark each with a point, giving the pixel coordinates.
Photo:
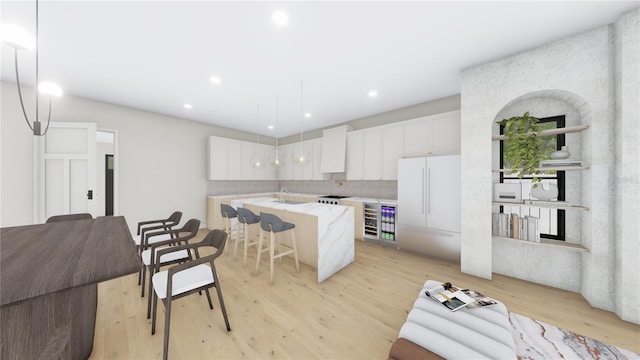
(507, 192)
(541, 193)
(19, 39)
(275, 157)
(560, 163)
(561, 154)
(256, 160)
(523, 150)
(301, 154)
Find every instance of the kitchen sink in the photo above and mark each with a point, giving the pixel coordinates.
(293, 202)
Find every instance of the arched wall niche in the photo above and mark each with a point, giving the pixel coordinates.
(542, 265)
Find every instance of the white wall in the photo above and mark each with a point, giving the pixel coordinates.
(596, 72)
(162, 160)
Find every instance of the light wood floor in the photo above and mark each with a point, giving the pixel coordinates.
(355, 314)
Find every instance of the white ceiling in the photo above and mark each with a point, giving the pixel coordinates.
(159, 55)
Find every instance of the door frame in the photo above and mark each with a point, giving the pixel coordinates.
(38, 171)
(116, 162)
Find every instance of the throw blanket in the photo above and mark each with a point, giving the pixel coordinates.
(483, 333)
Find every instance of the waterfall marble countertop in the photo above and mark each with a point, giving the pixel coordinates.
(324, 233)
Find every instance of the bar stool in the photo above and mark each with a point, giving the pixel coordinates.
(229, 213)
(246, 217)
(273, 224)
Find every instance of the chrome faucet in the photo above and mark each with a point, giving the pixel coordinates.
(283, 190)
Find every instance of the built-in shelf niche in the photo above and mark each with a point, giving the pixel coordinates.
(547, 242)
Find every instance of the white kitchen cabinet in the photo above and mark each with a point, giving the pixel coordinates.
(417, 137)
(245, 165)
(392, 149)
(230, 159)
(285, 172)
(446, 134)
(303, 172)
(432, 135)
(260, 173)
(373, 154)
(316, 173)
(355, 155)
(234, 160)
(217, 158)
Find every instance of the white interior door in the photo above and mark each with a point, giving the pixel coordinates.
(65, 170)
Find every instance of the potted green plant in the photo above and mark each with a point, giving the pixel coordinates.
(523, 147)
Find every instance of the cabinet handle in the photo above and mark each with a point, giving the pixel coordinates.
(423, 186)
(428, 191)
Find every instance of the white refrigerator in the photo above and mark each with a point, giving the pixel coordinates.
(428, 214)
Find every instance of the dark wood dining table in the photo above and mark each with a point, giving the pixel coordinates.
(48, 284)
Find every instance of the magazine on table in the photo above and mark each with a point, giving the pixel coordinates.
(479, 299)
(455, 299)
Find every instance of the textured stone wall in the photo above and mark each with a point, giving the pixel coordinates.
(596, 73)
(627, 160)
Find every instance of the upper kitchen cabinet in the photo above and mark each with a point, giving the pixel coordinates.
(446, 134)
(417, 137)
(372, 153)
(432, 135)
(392, 148)
(217, 158)
(303, 172)
(244, 164)
(285, 171)
(265, 172)
(230, 159)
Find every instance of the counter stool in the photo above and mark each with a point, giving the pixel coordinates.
(246, 217)
(229, 213)
(273, 224)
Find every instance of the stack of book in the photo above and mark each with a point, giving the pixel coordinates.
(516, 227)
(560, 163)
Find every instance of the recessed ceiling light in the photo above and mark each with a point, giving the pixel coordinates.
(215, 80)
(270, 127)
(307, 115)
(373, 93)
(280, 18)
(188, 106)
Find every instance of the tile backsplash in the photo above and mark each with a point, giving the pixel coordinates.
(377, 189)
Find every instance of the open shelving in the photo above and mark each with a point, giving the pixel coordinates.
(560, 206)
(548, 206)
(547, 242)
(564, 130)
(554, 168)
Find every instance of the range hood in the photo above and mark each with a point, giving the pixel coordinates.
(334, 146)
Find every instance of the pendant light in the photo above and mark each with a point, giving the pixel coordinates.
(301, 154)
(275, 157)
(19, 39)
(256, 159)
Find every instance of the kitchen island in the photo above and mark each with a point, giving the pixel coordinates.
(324, 233)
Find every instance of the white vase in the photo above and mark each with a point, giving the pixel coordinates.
(540, 193)
(563, 153)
